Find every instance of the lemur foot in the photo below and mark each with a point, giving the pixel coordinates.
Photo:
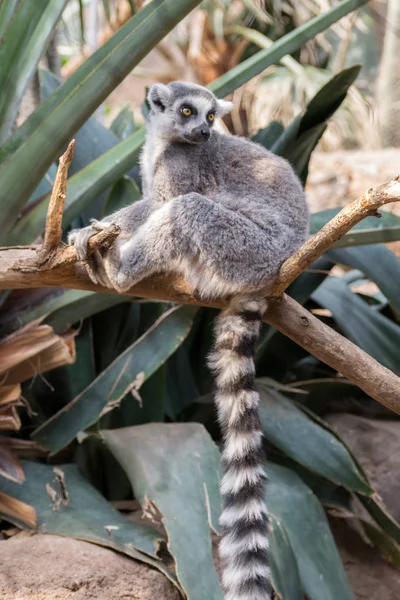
(123, 282)
(79, 238)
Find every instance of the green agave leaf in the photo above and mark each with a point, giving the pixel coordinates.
(380, 514)
(76, 305)
(369, 231)
(330, 495)
(92, 139)
(110, 326)
(124, 192)
(327, 390)
(373, 332)
(326, 102)
(293, 504)
(63, 309)
(387, 220)
(28, 150)
(383, 235)
(182, 388)
(175, 467)
(123, 124)
(299, 153)
(269, 135)
(385, 544)
(299, 140)
(339, 499)
(287, 44)
(66, 504)
(153, 396)
(7, 10)
(113, 338)
(21, 47)
(377, 262)
(82, 188)
(82, 372)
(305, 441)
(68, 381)
(126, 373)
(45, 186)
(285, 574)
(118, 327)
(114, 331)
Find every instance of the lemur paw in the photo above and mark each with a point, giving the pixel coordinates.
(80, 239)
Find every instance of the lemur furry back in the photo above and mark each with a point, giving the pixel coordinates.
(225, 213)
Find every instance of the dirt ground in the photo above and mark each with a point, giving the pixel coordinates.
(48, 567)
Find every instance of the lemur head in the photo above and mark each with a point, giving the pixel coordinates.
(184, 112)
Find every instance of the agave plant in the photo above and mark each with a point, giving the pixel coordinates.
(218, 35)
(134, 413)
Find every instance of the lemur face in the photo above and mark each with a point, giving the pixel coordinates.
(185, 112)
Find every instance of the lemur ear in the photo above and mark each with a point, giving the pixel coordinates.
(224, 107)
(158, 96)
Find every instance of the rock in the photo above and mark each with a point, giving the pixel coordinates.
(370, 576)
(337, 178)
(376, 445)
(49, 567)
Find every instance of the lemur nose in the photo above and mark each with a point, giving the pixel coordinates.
(205, 132)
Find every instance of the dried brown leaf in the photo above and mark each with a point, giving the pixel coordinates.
(24, 448)
(9, 394)
(32, 350)
(17, 510)
(10, 467)
(9, 419)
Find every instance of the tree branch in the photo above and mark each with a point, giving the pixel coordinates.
(365, 206)
(25, 267)
(297, 323)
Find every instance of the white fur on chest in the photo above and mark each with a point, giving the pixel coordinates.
(153, 147)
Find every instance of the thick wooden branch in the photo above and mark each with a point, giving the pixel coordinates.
(365, 206)
(285, 314)
(23, 267)
(297, 323)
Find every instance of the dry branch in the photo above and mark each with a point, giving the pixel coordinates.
(53, 233)
(23, 267)
(365, 206)
(297, 323)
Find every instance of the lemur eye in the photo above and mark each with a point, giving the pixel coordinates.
(211, 117)
(186, 111)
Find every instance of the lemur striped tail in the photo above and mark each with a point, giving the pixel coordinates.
(244, 520)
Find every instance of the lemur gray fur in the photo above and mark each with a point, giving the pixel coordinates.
(225, 213)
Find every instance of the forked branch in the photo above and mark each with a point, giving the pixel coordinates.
(30, 267)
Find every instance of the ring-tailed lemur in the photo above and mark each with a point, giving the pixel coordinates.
(225, 213)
